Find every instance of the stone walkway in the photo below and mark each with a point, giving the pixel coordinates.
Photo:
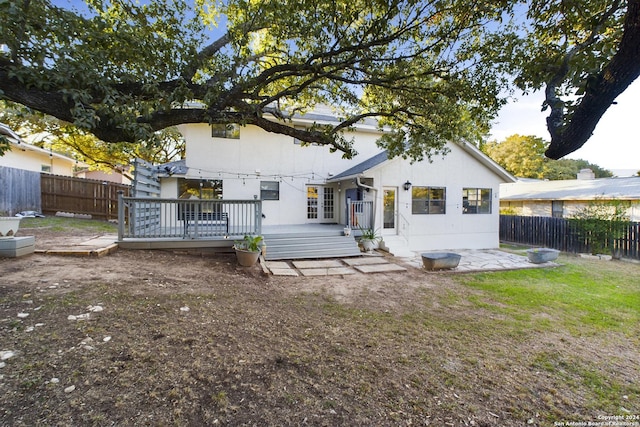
(333, 267)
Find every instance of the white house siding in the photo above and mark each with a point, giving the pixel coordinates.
(452, 230)
(261, 156)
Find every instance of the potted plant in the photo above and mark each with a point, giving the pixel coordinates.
(248, 250)
(369, 239)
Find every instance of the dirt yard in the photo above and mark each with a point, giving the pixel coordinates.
(163, 338)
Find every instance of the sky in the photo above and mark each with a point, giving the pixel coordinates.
(615, 143)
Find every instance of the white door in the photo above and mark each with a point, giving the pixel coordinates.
(320, 204)
(389, 209)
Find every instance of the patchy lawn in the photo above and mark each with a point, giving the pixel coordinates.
(187, 339)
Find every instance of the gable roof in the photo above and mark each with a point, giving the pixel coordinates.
(627, 188)
(382, 157)
(16, 141)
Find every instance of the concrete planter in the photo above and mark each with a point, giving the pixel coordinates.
(440, 260)
(542, 255)
(247, 258)
(9, 226)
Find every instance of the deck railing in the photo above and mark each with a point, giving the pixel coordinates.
(360, 214)
(150, 217)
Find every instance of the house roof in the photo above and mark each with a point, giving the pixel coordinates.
(177, 167)
(627, 188)
(383, 157)
(360, 168)
(16, 141)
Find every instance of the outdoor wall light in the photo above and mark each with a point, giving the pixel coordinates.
(406, 185)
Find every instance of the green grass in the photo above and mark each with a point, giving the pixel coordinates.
(579, 296)
(61, 224)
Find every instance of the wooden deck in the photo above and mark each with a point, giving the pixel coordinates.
(296, 241)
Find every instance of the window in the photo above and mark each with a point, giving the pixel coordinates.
(557, 208)
(269, 190)
(476, 200)
(428, 200)
(45, 168)
(229, 131)
(200, 188)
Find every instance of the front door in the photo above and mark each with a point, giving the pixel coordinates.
(320, 204)
(389, 210)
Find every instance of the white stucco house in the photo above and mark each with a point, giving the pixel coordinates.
(449, 203)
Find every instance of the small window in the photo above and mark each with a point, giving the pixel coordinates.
(45, 168)
(269, 190)
(200, 188)
(557, 208)
(229, 131)
(476, 201)
(428, 200)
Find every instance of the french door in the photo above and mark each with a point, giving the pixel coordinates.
(320, 204)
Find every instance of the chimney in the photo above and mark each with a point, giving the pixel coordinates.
(586, 174)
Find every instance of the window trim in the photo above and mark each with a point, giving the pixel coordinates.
(275, 193)
(478, 205)
(431, 206)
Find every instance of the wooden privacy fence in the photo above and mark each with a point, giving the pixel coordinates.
(80, 196)
(19, 191)
(566, 235)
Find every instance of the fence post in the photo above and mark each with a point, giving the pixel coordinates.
(120, 214)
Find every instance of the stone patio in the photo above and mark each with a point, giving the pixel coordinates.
(471, 261)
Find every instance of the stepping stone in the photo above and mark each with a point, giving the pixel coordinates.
(379, 268)
(277, 265)
(334, 271)
(283, 272)
(318, 264)
(364, 261)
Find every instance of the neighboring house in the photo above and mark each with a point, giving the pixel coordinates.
(452, 202)
(109, 176)
(29, 157)
(563, 199)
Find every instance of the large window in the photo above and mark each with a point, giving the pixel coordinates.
(200, 188)
(230, 131)
(428, 200)
(476, 200)
(269, 190)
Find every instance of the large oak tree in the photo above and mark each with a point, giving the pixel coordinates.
(431, 71)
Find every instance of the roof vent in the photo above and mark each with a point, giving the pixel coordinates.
(586, 174)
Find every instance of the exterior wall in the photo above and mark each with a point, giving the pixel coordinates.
(452, 230)
(261, 156)
(34, 161)
(111, 176)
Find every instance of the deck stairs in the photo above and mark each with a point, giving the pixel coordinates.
(397, 246)
(309, 245)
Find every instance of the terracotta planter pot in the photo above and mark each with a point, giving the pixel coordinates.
(247, 258)
(9, 226)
